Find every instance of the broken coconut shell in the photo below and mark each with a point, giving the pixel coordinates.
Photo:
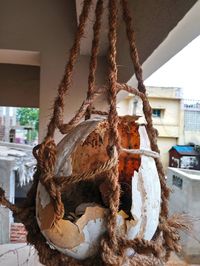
(82, 149)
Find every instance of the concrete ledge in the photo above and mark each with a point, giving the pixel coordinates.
(185, 198)
(18, 254)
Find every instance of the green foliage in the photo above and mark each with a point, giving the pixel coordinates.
(29, 117)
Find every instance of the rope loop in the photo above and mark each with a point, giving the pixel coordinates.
(46, 163)
(47, 155)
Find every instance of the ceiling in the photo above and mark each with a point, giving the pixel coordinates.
(19, 57)
(153, 20)
(41, 33)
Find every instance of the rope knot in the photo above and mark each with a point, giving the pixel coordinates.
(47, 177)
(47, 155)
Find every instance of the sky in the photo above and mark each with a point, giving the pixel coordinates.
(183, 70)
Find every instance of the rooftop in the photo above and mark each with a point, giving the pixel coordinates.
(185, 150)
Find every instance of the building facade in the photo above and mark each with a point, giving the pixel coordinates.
(192, 121)
(168, 116)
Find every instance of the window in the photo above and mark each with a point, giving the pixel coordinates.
(192, 120)
(156, 112)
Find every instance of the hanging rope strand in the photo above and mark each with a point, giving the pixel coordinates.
(57, 117)
(94, 54)
(152, 133)
(110, 244)
(47, 151)
(170, 243)
(113, 117)
(133, 49)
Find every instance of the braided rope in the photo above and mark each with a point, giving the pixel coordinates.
(98, 112)
(6, 203)
(133, 49)
(47, 150)
(152, 133)
(64, 181)
(57, 117)
(94, 53)
(110, 244)
(64, 128)
(46, 163)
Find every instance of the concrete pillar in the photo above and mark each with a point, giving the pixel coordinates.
(7, 124)
(181, 138)
(7, 182)
(185, 198)
(14, 116)
(1, 116)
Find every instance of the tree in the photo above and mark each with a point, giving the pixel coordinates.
(29, 117)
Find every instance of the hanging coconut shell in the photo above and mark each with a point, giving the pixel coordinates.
(86, 208)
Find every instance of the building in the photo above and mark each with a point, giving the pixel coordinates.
(185, 157)
(168, 116)
(16, 171)
(7, 124)
(192, 122)
(10, 130)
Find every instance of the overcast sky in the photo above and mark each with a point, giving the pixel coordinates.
(183, 70)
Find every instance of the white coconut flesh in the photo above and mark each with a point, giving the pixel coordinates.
(80, 239)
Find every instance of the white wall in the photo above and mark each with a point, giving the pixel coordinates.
(165, 145)
(185, 198)
(171, 110)
(19, 85)
(48, 28)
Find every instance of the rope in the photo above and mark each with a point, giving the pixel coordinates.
(57, 117)
(65, 181)
(133, 49)
(98, 112)
(46, 163)
(148, 153)
(64, 128)
(6, 203)
(152, 133)
(94, 53)
(110, 244)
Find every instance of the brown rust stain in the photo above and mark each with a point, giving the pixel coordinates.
(130, 139)
(92, 152)
(94, 148)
